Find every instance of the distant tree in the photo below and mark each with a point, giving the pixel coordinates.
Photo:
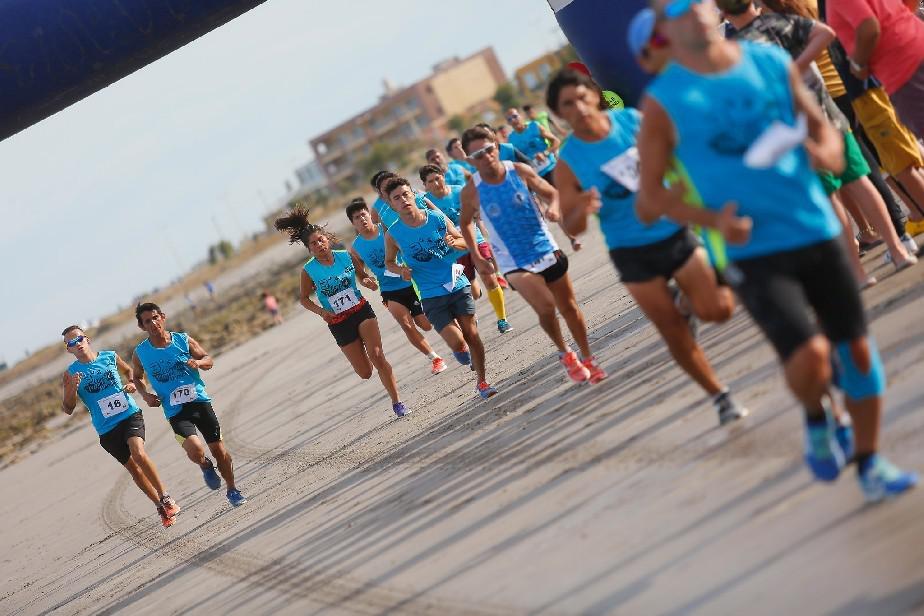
(457, 124)
(213, 254)
(226, 249)
(507, 96)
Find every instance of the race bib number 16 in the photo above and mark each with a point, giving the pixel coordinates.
(110, 406)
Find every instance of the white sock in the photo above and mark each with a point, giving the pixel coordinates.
(432, 355)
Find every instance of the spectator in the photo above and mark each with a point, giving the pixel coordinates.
(272, 307)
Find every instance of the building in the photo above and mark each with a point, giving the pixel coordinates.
(531, 78)
(310, 176)
(418, 112)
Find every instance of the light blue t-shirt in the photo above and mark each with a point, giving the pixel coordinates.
(335, 283)
(455, 173)
(717, 117)
(372, 252)
(451, 205)
(431, 259)
(531, 143)
(173, 381)
(101, 392)
(618, 221)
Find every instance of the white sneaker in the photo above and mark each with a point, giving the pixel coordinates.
(909, 244)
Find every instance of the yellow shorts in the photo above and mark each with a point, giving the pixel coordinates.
(895, 144)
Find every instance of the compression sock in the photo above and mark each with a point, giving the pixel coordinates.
(496, 297)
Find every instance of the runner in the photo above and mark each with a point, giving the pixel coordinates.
(501, 195)
(429, 245)
(597, 174)
(505, 151)
(790, 260)
(350, 318)
(544, 119)
(455, 173)
(380, 211)
(173, 361)
(97, 377)
(534, 140)
(446, 198)
(399, 297)
(503, 133)
(455, 151)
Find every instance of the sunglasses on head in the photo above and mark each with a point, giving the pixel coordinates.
(75, 341)
(480, 153)
(679, 8)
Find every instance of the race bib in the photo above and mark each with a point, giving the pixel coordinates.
(540, 265)
(458, 270)
(624, 169)
(110, 406)
(344, 300)
(776, 140)
(183, 394)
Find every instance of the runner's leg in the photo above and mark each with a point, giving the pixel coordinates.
(709, 301)
(538, 295)
(563, 293)
(403, 316)
(355, 353)
(194, 449)
(469, 331)
(142, 481)
(223, 462)
(371, 339)
(143, 470)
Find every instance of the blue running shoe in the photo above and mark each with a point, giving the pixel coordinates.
(463, 357)
(881, 480)
(400, 409)
(823, 454)
(212, 480)
(485, 391)
(236, 498)
(844, 435)
(503, 326)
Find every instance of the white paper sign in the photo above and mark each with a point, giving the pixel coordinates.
(344, 300)
(624, 169)
(457, 271)
(110, 406)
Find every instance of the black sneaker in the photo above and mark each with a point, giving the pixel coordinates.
(728, 409)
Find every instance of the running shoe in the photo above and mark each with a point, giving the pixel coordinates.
(576, 370)
(844, 435)
(438, 365)
(400, 409)
(485, 391)
(910, 245)
(169, 506)
(502, 282)
(212, 480)
(881, 479)
(823, 454)
(463, 357)
(166, 520)
(597, 373)
(503, 326)
(236, 498)
(728, 409)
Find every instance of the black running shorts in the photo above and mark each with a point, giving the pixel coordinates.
(781, 290)
(552, 272)
(658, 260)
(407, 297)
(115, 442)
(198, 414)
(347, 331)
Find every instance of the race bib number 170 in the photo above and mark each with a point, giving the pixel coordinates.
(183, 394)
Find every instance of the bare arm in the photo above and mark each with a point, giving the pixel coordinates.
(391, 258)
(546, 191)
(865, 42)
(307, 288)
(576, 204)
(819, 38)
(362, 273)
(198, 358)
(470, 212)
(128, 375)
(454, 236)
(824, 143)
(554, 141)
(69, 384)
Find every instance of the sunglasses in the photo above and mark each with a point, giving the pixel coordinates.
(513, 116)
(75, 341)
(480, 153)
(679, 8)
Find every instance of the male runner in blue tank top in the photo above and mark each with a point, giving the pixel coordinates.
(728, 112)
(535, 141)
(398, 295)
(597, 175)
(97, 379)
(501, 195)
(455, 173)
(430, 245)
(381, 212)
(172, 361)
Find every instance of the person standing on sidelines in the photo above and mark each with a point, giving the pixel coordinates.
(96, 378)
(597, 175)
(272, 306)
(501, 195)
(172, 361)
(784, 262)
(430, 244)
(399, 297)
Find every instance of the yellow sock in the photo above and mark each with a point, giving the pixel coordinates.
(496, 297)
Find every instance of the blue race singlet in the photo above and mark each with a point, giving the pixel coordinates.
(520, 239)
(455, 173)
(531, 143)
(717, 117)
(372, 252)
(335, 283)
(505, 151)
(173, 381)
(451, 205)
(601, 164)
(100, 390)
(431, 259)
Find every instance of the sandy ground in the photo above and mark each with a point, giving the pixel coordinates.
(550, 498)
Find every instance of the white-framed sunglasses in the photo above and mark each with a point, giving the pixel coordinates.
(485, 150)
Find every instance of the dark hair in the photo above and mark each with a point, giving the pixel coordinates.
(430, 153)
(569, 77)
(297, 225)
(146, 307)
(356, 205)
(384, 178)
(499, 127)
(394, 183)
(375, 178)
(449, 145)
(734, 7)
(428, 170)
(527, 108)
(791, 7)
(70, 328)
(474, 134)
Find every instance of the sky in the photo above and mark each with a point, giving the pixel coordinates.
(125, 190)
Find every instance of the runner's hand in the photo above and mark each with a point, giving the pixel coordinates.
(735, 229)
(72, 381)
(369, 283)
(192, 363)
(455, 242)
(552, 213)
(327, 315)
(589, 201)
(482, 265)
(151, 399)
(406, 273)
(576, 244)
(129, 388)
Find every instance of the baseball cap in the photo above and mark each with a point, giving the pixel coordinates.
(640, 30)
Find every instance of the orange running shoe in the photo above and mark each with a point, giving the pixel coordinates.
(169, 505)
(165, 519)
(438, 365)
(576, 370)
(597, 373)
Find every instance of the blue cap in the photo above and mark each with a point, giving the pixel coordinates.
(640, 30)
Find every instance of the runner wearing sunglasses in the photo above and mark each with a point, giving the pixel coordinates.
(97, 379)
(172, 361)
(785, 262)
(501, 195)
(535, 141)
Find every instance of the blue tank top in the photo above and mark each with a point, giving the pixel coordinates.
(717, 117)
(335, 283)
(455, 174)
(519, 234)
(505, 151)
(173, 381)
(388, 216)
(100, 390)
(531, 143)
(451, 205)
(618, 221)
(372, 252)
(431, 259)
